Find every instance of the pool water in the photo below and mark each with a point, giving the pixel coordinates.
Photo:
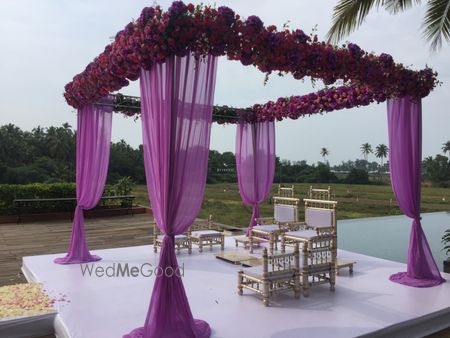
(388, 237)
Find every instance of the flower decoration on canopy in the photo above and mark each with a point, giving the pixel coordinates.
(157, 35)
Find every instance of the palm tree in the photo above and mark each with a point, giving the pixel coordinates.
(366, 149)
(381, 152)
(446, 147)
(348, 15)
(324, 152)
(61, 146)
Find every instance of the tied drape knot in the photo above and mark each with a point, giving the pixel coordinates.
(79, 207)
(169, 239)
(79, 211)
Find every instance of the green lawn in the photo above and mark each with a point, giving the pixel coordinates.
(355, 201)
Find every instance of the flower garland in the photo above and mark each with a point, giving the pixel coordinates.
(292, 107)
(202, 30)
(325, 100)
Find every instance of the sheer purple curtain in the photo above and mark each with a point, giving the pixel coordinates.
(93, 144)
(177, 98)
(255, 163)
(405, 159)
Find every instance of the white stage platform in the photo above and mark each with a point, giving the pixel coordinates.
(365, 304)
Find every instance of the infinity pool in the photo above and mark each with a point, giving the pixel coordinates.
(388, 237)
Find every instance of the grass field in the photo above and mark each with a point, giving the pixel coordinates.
(354, 201)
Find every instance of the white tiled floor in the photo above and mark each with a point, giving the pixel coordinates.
(366, 303)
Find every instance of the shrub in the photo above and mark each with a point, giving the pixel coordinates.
(10, 192)
(124, 186)
(436, 170)
(321, 174)
(357, 176)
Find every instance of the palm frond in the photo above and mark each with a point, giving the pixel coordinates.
(396, 6)
(437, 23)
(348, 15)
(446, 249)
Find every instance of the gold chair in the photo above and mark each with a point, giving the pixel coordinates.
(318, 257)
(269, 229)
(320, 194)
(286, 191)
(205, 232)
(320, 215)
(181, 241)
(278, 273)
(265, 232)
(318, 238)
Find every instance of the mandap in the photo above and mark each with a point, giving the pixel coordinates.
(174, 55)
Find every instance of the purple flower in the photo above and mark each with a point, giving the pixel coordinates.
(428, 72)
(177, 8)
(386, 60)
(218, 50)
(129, 28)
(147, 13)
(273, 40)
(246, 59)
(254, 22)
(355, 50)
(370, 72)
(329, 80)
(316, 57)
(294, 57)
(119, 34)
(300, 36)
(332, 60)
(227, 14)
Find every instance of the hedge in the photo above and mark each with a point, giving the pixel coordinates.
(10, 192)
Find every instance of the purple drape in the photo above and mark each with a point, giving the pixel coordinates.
(176, 98)
(93, 144)
(405, 159)
(255, 163)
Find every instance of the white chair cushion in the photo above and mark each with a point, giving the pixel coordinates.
(285, 213)
(257, 272)
(267, 227)
(205, 233)
(304, 234)
(319, 218)
(177, 237)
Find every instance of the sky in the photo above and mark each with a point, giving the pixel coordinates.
(44, 43)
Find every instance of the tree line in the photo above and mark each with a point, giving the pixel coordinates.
(48, 155)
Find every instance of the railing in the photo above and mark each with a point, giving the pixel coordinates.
(23, 206)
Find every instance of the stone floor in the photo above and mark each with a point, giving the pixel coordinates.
(37, 238)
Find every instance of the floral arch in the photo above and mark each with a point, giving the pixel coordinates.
(202, 30)
(175, 163)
